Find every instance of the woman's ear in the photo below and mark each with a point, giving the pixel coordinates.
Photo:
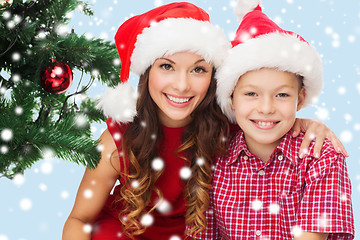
(301, 98)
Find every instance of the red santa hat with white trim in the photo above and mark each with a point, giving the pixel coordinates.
(261, 43)
(164, 30)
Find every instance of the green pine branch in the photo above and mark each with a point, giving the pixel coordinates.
(42, 122)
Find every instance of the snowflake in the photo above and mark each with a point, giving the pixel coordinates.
(43, 187)
(18, 180)
(16, 78)
(157, 164)
(87, 228)
(147, 220)
(185, 173)
(164, 206)
(64, 194)
(346, 136)
(158, 3)
(256, 204)
(174, 237)
(47, 153)
(116, 62)
(296, 231)
(323, 221)
(274, 208)
(88, 193)
(200, 161)
(25, 204)
(4, 149)
(322, 113)
(19, 110)
(3, 237)
(135, 184)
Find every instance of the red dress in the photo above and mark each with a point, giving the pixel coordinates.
(165, 225)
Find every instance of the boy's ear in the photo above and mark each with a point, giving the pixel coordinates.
(232, 102)
(301, 99)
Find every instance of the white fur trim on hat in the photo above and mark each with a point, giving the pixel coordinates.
(284, 52)
(119, 103)
(243, 7)
(177, 35)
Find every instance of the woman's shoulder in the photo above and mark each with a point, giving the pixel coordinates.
(110, 143)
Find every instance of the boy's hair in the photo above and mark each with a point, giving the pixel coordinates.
(261, 43)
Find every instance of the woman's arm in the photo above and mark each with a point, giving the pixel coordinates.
(93, 192)
(312, 236)
(314, 128)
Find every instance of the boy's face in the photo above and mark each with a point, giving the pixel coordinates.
(265, 103)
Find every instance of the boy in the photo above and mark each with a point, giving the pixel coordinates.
(261, 189)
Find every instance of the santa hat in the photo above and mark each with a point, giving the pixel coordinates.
(261, 43)
(165, 30)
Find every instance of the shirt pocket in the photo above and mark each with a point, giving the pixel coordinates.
(289, 204)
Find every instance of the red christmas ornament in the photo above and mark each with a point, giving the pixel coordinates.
(56, 77)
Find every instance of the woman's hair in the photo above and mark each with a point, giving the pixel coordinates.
(203, 140)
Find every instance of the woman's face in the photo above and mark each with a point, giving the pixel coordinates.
(177, 84)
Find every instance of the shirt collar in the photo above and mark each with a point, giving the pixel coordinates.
(237, 145)
(288, 147)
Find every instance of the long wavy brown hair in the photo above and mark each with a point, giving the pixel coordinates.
(202, 141)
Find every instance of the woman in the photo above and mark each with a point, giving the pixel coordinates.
(161, 152)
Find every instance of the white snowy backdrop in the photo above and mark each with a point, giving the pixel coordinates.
(36, 205)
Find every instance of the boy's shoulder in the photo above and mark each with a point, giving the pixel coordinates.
(316, 168)
(236, 144)
(327, 147)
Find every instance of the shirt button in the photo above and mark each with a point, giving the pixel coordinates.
(246, 158)
(261, 172)
(258, 232)
(280, 157)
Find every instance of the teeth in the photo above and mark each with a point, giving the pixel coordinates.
(178, 100)
(264, 124)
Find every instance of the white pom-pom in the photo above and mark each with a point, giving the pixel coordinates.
(119, 103)
(243, 7)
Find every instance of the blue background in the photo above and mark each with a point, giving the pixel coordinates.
(36, 205)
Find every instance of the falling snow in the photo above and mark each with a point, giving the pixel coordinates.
(147, 220)
(164, 206)
(157, 164)
(52, 184)
(6, 135)
(185, 173)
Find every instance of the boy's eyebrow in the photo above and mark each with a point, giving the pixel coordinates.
(280, 87)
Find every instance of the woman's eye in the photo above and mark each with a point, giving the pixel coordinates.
(166, 66)
(282, 95)
(199, 70)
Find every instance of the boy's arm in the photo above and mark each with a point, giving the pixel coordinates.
(312, 236)
(326, 204)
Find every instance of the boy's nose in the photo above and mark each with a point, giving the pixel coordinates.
(266, 106)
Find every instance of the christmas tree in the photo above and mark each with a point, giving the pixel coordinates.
(38, 115)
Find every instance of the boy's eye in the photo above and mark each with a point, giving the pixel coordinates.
(282, 95)
(199, 70)
(166, 66)
(251, 94)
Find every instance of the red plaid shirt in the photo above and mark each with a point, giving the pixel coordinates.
(274, 200)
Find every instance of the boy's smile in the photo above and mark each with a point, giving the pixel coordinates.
(264, 124)
(265, 103)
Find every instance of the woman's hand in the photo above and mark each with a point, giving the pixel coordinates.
(314, 128)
